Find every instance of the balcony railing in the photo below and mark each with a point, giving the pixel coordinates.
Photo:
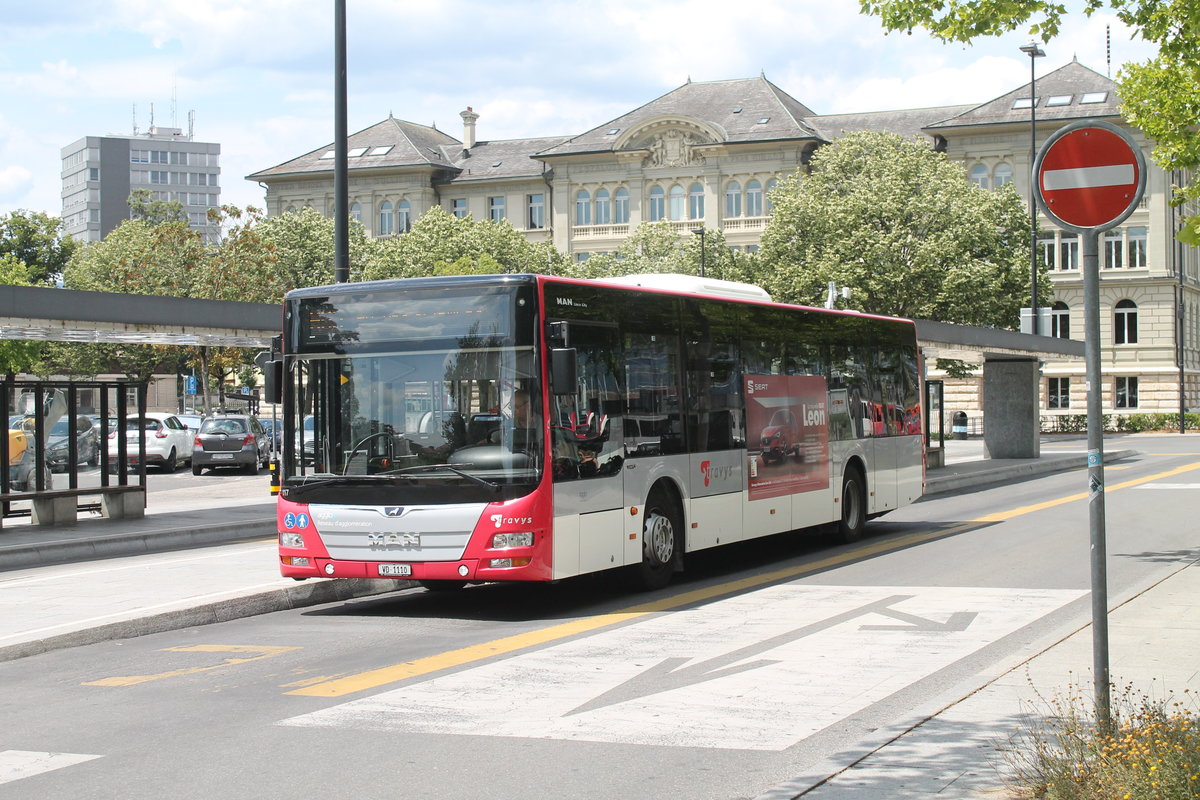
(599, 231)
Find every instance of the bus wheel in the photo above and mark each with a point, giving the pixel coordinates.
(854, 506)
(443, 586)
(661, 526)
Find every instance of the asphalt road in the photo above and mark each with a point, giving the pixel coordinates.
(764, 662)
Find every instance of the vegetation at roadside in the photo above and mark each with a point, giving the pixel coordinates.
(1151, 751)
(1122, 423)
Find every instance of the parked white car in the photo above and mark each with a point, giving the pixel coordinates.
(168, 442)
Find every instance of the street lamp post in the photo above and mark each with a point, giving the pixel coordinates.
(1034, 51)
(700, 232)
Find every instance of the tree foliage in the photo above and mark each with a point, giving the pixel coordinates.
(302, 246)
(36, 240)
(657, 247)
(16, 355)
(138, 257)
(902, 227)
(1160, 96)
(440, 243)
(144, 206)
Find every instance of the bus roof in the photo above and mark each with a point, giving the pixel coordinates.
(691, 284)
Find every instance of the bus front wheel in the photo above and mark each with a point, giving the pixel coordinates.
(854, 506)
(662, 524)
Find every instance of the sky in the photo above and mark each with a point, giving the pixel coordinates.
(259, 74)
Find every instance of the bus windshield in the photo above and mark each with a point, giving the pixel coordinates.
(417, 418)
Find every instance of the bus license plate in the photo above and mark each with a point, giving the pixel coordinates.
(395, 570)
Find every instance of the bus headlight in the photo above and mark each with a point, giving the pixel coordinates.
(291, 540)
(503, 541)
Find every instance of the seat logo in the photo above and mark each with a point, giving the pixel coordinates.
(393, 511)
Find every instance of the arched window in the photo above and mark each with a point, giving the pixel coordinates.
(603, 207)
(356, 211)
(733, 199)
(754, 199)
(621, 206)
(1060, 320)
(583, 208)
(658, 208)
(696, 202)
(771, 184)
(387, 219)
(979, 176)
(1002, 175)
(1125, 323)
(403, 217)
(677, 202)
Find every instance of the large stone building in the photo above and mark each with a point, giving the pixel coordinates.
(100, 172)
(708, 154)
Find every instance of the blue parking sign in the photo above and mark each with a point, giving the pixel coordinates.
(191, 385)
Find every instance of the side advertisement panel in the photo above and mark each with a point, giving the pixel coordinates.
(788, 437)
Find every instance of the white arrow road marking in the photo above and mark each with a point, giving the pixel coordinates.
(759, 671)
(1089, 177)
(18, 764)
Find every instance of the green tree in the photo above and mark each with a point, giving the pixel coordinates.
(138, 257)
(36, 240)
(144, 206)
(301, 243)
(440, 243)
(15, 355)
(1160, 96)
(902, 227)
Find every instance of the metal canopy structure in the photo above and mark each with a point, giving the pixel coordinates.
(67, 315)
(979, 345)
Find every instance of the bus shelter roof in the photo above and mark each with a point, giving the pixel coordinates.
(66, 315)
(977, 345)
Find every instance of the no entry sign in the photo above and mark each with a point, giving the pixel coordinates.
(1090, 176)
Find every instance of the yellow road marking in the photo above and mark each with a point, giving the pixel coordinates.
(466, 655)
(260, 653)
(1017, 512)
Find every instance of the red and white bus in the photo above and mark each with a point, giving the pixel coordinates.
(669, 414)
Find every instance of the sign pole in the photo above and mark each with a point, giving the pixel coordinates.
(1096, 518)
(1090, 176)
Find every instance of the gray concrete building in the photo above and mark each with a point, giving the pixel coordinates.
(100, 172)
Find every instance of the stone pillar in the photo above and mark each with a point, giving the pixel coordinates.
(1012, 409)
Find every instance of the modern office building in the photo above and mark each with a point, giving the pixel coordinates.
(100, 172)
(707, 154)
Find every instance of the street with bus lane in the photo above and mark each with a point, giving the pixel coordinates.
(765, 661)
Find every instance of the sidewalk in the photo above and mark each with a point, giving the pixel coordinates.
(101, 580)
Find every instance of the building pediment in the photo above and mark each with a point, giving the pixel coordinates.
(670, 142)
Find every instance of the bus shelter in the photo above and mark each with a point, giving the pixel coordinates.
(1011, 398)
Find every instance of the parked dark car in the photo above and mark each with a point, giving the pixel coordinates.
(87, 444)
(231, 440)
(87, 437)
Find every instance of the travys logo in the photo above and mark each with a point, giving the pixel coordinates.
(714, 473)
(500, 519)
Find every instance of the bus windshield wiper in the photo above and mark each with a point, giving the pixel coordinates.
(342, 480)
(449, 467)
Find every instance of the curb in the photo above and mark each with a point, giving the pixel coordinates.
(68, 551)
(941, 484)
(299, 596)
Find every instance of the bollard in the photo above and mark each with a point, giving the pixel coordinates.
(959, 427)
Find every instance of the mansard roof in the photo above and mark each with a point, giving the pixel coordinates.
(908, 123)
(407, 144)
(496, 160)
(733, 110)
(1067, 86)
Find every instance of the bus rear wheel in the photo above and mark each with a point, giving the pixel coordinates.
(662, 524)
(854, 506)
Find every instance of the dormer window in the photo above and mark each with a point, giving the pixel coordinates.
(1059, 100)
(1093, 97)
